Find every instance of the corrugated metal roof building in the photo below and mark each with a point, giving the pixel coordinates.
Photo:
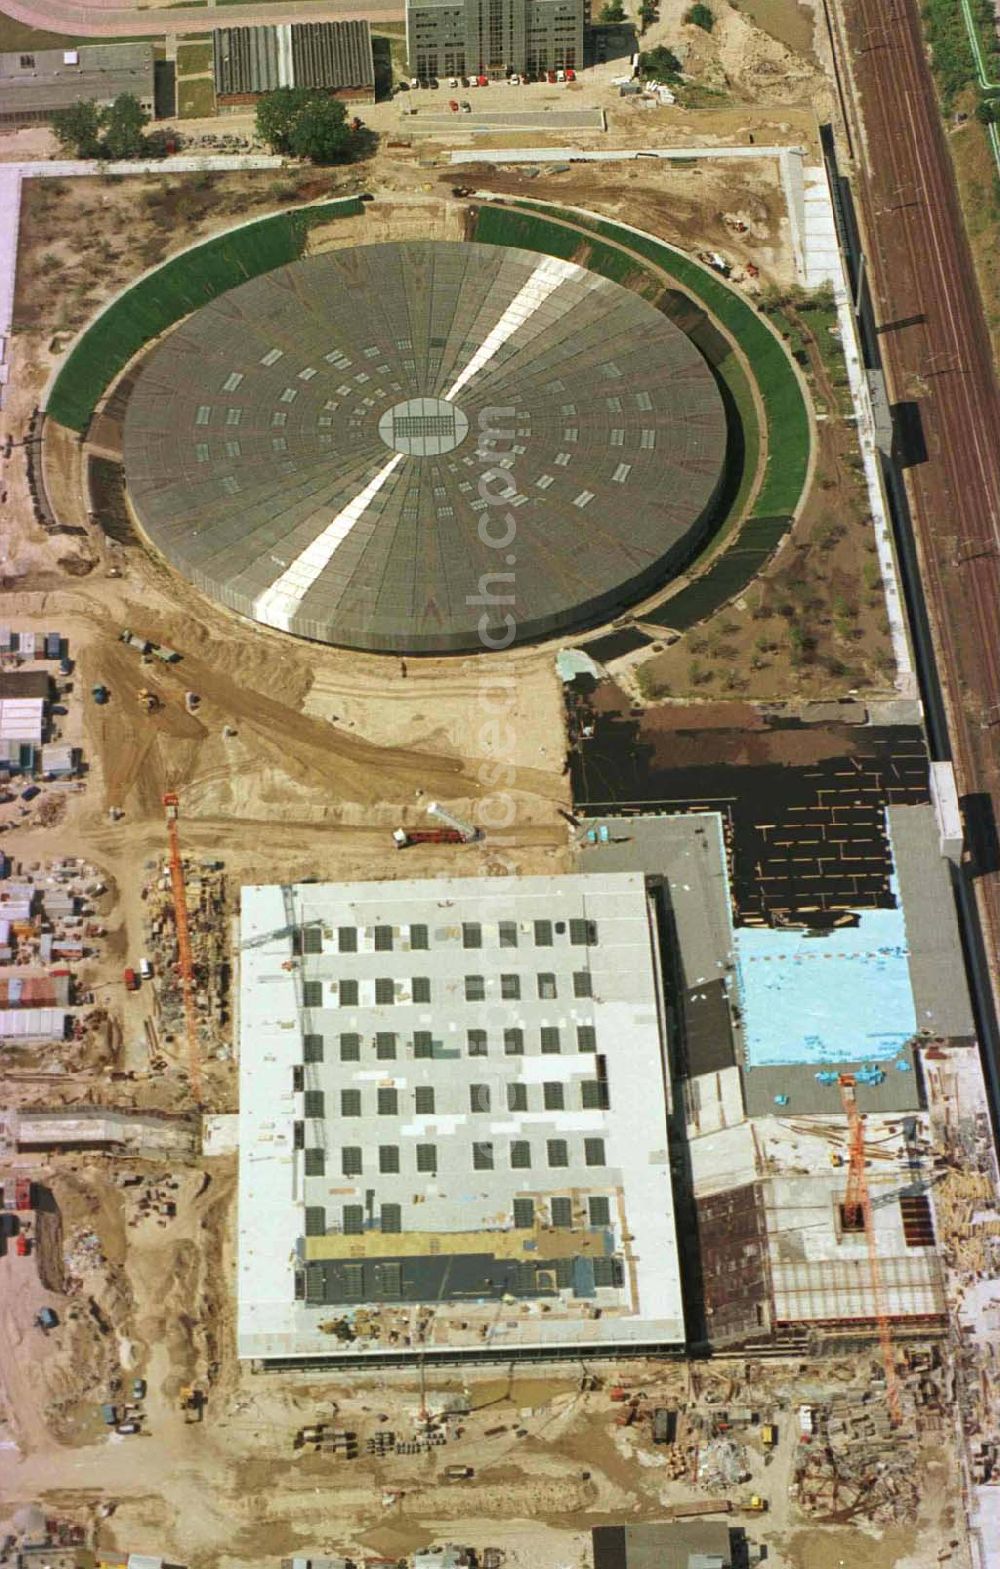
(335, 57)
(35, 991)
(22, 719)
(58, 760)
(33, 1024)
(34, 83)
(22, 684)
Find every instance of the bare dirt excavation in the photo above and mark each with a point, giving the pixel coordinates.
(298, 761)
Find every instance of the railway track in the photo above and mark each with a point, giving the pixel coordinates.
(937, 354)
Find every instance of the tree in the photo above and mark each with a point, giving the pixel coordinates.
(700, 16)
(648, 13)
(613, 11)
(303, 123)
(660, 64)
(124, 125)
(78, 127)
(321, 132)
(988, 111)
(276, 113)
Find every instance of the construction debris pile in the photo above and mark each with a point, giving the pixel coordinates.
(148, 1197)
(722, 1465)
(855, 1466)
(208, 923)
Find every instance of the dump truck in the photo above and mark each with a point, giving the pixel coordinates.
(467, 831)
(169, 656)
(191, 1401)
(18, 1193)
(458, 1473)
(131, 979)
(133, 641)
(403, 837)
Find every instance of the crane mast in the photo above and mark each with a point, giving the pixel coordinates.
(185, 960)
(858, 1216)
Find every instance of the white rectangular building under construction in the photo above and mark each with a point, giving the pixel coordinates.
(453, 1120)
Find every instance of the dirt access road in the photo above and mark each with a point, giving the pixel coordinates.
(937, 352)
(101, 19)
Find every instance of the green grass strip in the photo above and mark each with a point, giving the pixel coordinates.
(180, 286)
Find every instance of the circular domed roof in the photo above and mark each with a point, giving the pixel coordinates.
(351, 447)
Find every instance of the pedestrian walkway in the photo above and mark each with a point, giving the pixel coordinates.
(10, 212)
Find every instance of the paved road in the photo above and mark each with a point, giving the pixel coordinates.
(105, 19)
(937, 353)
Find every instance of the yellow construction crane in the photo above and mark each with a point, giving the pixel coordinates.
(185, 961)
(858, 1216)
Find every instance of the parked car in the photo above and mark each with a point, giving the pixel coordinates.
(138, 1389)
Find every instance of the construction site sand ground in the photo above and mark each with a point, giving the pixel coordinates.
(299, 762)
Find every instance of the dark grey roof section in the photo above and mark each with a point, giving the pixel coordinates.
(330, 55)
(246, 60)
(455, 1277)
(807, 1097)
(937, 969)
(687, 853)
(36, 81)
(674, 1544)
(270, 447)
(333, 54)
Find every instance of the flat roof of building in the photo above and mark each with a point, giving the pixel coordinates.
(32, 80)
(453, 1119)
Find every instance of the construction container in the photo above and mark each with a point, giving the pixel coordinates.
(664, 1425)
(53, 645)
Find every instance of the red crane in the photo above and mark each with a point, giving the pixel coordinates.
(857, 1212)
(185, 960)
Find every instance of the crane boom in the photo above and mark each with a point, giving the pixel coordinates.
(858, 1214)
(185, 961)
